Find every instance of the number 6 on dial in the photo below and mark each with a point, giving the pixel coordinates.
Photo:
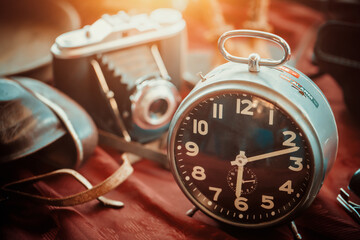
(240, 204)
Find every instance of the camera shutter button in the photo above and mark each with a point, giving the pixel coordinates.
(166, 16)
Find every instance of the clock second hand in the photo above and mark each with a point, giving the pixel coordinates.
(273, 154)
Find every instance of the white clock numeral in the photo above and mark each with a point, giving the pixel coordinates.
(200, 127)
(246, 110)
(298, 164)
(289, 142)
(193, 149)
(238, 105)
(286, 187)
(217, 192)
(218, 110)
(198, 173)
(271, 117)
(267, 202)
(240, 204)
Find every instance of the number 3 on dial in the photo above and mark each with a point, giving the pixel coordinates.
(298, 164)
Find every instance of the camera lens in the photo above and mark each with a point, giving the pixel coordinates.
(158, 108)
(153, 103)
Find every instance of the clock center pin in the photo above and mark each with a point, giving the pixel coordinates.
(240, 159)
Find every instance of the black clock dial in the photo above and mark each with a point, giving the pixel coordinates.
(242, 158)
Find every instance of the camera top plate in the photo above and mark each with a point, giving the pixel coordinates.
(121, 30)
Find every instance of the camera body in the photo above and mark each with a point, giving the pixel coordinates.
(125, 71)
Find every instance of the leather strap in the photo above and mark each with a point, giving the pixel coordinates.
(7, 192)
(63, 117)
(68, 125)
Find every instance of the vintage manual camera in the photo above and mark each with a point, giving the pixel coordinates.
(125, 71)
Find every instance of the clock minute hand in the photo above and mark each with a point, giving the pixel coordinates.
(273, 154)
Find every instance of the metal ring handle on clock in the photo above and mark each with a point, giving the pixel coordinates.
(254, 60)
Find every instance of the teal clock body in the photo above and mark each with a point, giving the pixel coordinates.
(250, 146)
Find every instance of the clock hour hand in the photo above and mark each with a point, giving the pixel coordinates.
(239, 161)
(273, 154)
(239, 181)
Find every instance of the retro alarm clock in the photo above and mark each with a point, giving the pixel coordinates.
(252, 142)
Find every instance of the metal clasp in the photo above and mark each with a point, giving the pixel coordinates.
(254, 61)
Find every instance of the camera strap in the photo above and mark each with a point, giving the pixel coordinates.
(9, 191)
(55, 108)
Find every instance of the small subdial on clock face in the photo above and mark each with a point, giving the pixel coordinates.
(249, 183)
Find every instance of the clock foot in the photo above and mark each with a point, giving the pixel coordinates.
(294, 230)
(192, 211)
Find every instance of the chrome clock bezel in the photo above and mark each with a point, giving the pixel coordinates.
(272, 96)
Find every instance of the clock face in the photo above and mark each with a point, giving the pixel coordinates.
(242, 159)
